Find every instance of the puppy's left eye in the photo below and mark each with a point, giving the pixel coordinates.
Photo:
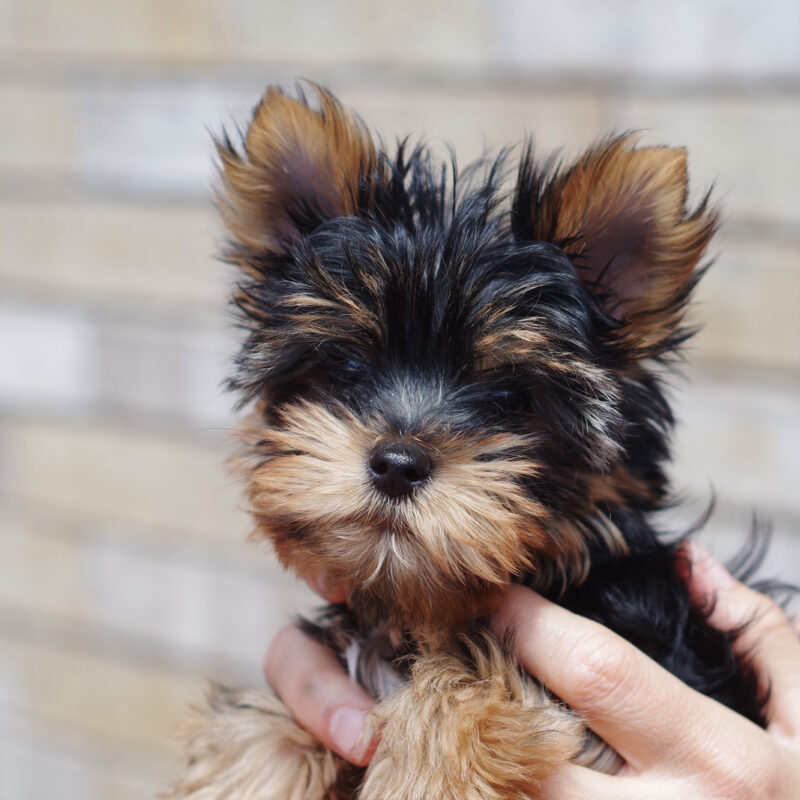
(505, 397)
(347, 373)
(509, 400)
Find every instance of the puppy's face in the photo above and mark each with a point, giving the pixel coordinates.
(447, 396)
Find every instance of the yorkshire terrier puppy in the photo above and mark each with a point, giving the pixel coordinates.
(457, 386)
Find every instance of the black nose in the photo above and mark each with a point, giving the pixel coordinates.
(396, 468)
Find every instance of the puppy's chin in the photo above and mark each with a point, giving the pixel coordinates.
(395, 579)
(424, 609)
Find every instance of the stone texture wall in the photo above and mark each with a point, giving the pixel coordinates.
(123, 575)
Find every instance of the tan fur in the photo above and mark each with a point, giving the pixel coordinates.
(622, 213)
(467, 725)
(468, 531)
(244, 745)
(343, 317)
(503, 348)
(617, 485)
(293, 154)
(468, 729)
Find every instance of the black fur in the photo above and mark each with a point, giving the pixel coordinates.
(428, 256)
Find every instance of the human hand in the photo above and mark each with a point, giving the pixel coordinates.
(675, 742)
(310, 680)
(704, 751)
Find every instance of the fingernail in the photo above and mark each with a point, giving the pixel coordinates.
(715, 573)
(347, 731)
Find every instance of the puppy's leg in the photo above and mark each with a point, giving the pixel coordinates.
(469, 728)
(245, 744)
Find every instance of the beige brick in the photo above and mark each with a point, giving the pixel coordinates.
(749, 305)
(747, 146)
(182, 603)
(95, 692)
(729, 527)
(136, 363)
(40, 572)
(473, 120)
(739, 433)
(139, 137)
(40, 758)
(40, 131)
(119, 253)
(56, 366)
(447, 33)
(152, 366)
(313, 33)
(150, 138)
(614, 36)
(179, 29)
(682, 38)
(125, 476)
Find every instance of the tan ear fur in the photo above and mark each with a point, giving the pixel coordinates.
(621, 213)
(298, 164)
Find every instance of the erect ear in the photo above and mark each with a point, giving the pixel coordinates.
(621, 214)
(298, 167)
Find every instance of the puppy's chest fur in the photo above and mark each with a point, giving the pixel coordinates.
(456, 386)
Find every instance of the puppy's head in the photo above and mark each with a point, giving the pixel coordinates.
(449, 394)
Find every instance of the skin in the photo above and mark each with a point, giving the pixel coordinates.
(675, 742)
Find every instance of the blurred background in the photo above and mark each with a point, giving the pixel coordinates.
(124, 577)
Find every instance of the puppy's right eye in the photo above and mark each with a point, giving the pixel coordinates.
(347, 373)
(300, 382)
(509, 401)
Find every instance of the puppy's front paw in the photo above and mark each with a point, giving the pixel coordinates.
(245, 744)
(460, 733)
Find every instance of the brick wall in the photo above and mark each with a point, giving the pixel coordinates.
(123, 577)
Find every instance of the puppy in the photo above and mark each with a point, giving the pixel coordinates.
(455, 386)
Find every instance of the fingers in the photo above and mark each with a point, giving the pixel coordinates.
(640, 709)
(767, 639)
(581, 783)
(320, 695)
